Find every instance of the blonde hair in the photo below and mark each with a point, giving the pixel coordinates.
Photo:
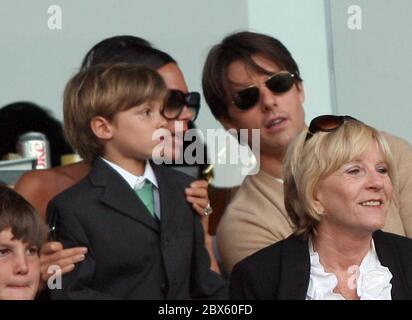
(307, 163)
(104, 90)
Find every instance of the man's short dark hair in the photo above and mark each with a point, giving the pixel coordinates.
(240, 46)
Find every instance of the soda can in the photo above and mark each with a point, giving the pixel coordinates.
(35, 144)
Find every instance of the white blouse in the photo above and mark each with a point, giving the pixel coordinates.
(373, 281)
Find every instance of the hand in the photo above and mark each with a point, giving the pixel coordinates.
(53, 253)
(197, 196)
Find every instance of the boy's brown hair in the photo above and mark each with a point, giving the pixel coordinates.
(105, 90)
(20, 216)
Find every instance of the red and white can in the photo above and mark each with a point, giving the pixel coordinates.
(35, 144)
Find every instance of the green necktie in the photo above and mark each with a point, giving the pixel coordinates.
(146, 195)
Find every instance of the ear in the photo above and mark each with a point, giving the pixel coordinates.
(301, 91)
(102, 128)
(317, 203)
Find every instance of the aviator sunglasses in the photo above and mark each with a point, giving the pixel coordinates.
(279, 82)
(177, 100)
(326, 123)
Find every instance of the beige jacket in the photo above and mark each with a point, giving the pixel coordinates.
(256, 217)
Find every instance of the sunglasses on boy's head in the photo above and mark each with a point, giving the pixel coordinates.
(326, 123)
(177, 100)
(279, 82)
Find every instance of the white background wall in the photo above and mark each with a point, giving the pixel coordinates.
(372, 65)
(300, 25)
(35, 62)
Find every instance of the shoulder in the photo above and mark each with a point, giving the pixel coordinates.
(243, 198)
(267, 260)
(259, 190)
(260, 272)
(254, 205)
(402, 156)
(401, 242)
(389, 246)
(392, 139)
(75, 193)
(397, 144)
(50, 181)
(36, 178)
(39, 186)
(262, 268)
(171, 174)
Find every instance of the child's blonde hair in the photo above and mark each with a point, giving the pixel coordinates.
(104, 90)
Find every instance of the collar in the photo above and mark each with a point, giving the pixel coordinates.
(133, 180)
(268, 177)
(372, 279)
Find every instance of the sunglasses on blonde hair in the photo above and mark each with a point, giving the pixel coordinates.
(177, 100)
(279, 82)
(326, 123)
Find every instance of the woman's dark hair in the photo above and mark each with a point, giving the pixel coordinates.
(22, 117)
(18, 215)
(126, 49)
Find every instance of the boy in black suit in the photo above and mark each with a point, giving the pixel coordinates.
(144, 242)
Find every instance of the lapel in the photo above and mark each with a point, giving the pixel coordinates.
(118, 195)
(295, 269)
(388, 256)
(169, 200)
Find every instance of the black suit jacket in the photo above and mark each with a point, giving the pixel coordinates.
(130, 254)
(282, 270)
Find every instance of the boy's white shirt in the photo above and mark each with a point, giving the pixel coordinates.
(138, 181)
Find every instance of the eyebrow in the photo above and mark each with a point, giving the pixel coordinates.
(142, 105)
(234, 83)
(11, 243)
(245, 86)
(6, 245)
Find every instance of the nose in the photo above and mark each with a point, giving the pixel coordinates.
(185, 116)
(268, 99)
(21, 266)
(375, 181)
(177, 127)
(162, 121)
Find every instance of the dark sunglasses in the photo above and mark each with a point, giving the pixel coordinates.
(279, 82)
(177, 100)
(326, 123)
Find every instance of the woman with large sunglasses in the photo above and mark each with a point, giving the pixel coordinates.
(338, 182)
(182, 107)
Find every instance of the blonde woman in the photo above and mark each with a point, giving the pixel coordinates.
(339, 178)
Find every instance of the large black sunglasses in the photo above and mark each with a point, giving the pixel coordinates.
(278, 83)
(177, 100)
(326, 123)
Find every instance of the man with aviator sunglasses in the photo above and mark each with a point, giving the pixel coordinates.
(251, 81)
